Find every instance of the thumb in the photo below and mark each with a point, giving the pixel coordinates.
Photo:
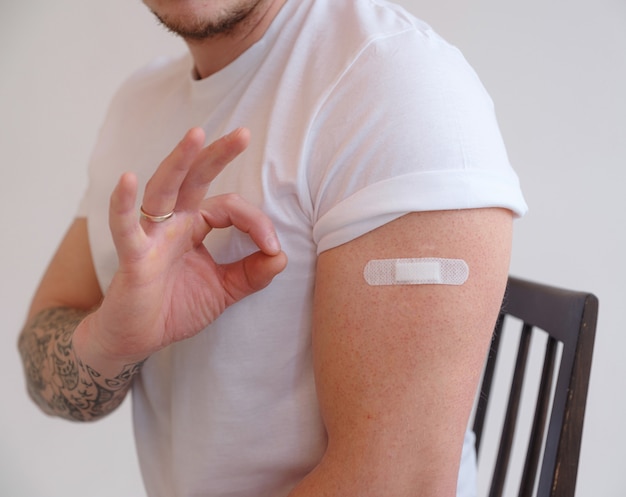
(251, 274)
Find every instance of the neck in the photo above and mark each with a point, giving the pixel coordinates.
(213, 54)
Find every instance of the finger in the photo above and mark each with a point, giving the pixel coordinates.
(123, 223)
(161, 191)
(232, 210)
(251, 274)
(208, 164)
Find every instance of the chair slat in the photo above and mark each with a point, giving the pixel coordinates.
(537, 431)
(510, 420)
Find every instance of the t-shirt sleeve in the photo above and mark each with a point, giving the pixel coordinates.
(408, 127)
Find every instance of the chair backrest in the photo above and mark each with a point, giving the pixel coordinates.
(568, 318)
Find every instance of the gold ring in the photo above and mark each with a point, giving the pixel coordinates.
(155, 219)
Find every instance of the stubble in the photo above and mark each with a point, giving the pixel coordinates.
(200, 28)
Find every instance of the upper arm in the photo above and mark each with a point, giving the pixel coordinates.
(70, 279)
(397, 366)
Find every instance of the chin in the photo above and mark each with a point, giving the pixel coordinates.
(202, 19)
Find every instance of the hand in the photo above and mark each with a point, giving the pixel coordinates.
(168, 287)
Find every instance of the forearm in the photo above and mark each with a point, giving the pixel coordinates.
(57, 379)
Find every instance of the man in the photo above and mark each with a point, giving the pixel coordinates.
(354, 135)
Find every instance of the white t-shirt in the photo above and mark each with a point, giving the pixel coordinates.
(359, 113)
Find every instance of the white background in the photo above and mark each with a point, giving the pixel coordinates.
(557, 73)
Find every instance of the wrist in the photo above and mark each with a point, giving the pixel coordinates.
(91, 351)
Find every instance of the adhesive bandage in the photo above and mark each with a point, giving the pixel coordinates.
(425, 271)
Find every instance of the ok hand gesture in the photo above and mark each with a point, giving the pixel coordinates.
(168, 287)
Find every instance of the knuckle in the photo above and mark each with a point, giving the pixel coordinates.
(150, 184)
(233, 199)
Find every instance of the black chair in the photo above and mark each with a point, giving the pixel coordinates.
(567, 318)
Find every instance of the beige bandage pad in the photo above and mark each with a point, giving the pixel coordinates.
(425, 271)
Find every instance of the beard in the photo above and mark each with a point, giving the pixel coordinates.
(199, 28)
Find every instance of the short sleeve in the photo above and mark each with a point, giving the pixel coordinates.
(408, 127)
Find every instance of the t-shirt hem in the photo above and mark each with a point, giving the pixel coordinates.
(385, 201)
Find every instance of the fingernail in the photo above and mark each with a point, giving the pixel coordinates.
(236, 132)
(272, 243)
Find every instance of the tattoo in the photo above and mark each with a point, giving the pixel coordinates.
(58, 381)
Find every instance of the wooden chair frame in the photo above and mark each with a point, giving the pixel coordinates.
(567, 317)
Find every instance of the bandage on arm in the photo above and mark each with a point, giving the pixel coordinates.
(422, 271)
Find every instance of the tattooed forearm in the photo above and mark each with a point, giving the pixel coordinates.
(57, 380)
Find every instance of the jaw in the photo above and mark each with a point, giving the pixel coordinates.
(200, 20)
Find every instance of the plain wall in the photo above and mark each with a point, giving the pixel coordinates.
(556, 71)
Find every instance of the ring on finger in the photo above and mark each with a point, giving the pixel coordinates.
(154, 219)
